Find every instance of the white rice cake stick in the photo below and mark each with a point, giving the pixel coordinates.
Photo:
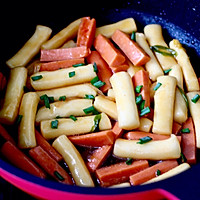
(127, 26)
(61, 78)
(128, 116)
(68, 127)
(31, 47)
(26, 129)
(145, 125)
(177, 170)
(121, 185)
(195, 113)
(107, 106)
(153, 67)
(78, 91)
(176, 72)
(13, 96)
(152, 150)
(164, 105)
(190, 77)
(153, 33)
(180, 108)
(76, 164)
(132, 70)
(111, 94)
(63, 109)
(64, 35)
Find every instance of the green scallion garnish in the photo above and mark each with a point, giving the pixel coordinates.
(73, 117)
(138, 88)
(54, 124)
(47, 100)
(144, 140)
(19, 119)
(157, 86)
(158, 172)
(95, 67)
(71, 74)
(89, 96)
(183, 158)
(36, 78)
(78, 65)
(129, 161)
(167, 71)
(133, 36)
(90, 110)
(141, 106)
(97, 119)
(185, 130)
(165, 51)
(99, 84)
(138, 99)
(96, 82)
(62, 98)
(145, 111)
(195, 98)
(184, 96)
(58, 176)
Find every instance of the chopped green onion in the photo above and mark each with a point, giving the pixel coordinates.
(138, 88)
(184, 96)
(129, 161)
(59, 176)
(36, 78)
(97, 119)
(43, 97)
(167, 71)
(133, 36)
(165, 51)
(185, 130)
(47, 100)
(95, 67)
(62, 98)
(73, 117)
(94, 80)
(141, 106)
(99, 84)
(195, 98)
(157, 86)
(138, 99)
(19, 119)
(144, 140)
(158, 172)
(71, 74)
(90, 110)
(145, 111)
(54, 124)
(78, 65)
(89, 96)
(183, 158)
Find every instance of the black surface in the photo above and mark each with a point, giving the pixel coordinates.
(18, 21)
(8, 191)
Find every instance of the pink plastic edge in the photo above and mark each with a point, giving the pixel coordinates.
(52, 194)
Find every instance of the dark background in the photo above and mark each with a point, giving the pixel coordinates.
(18, 21)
